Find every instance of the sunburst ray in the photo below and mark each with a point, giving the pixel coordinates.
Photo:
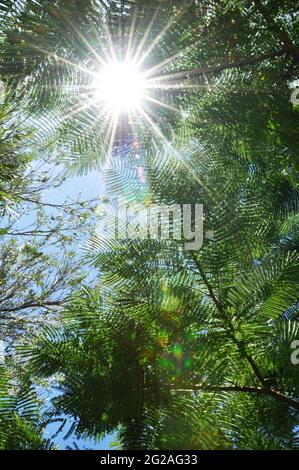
(159, 37)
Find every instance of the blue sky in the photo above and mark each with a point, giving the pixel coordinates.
(83, 444)
(86, 187)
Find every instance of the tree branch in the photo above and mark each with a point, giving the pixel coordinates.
(240, 344)
(245, 389)
(226, 65)
(277, 31)
(26, 305)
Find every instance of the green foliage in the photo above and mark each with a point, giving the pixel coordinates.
(21, 425)
(175, 349)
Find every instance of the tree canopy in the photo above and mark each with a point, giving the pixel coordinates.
(167, 347)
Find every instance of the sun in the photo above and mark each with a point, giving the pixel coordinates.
(124, 86)
(119, 86)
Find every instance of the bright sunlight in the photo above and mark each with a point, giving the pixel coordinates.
(120, 87)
